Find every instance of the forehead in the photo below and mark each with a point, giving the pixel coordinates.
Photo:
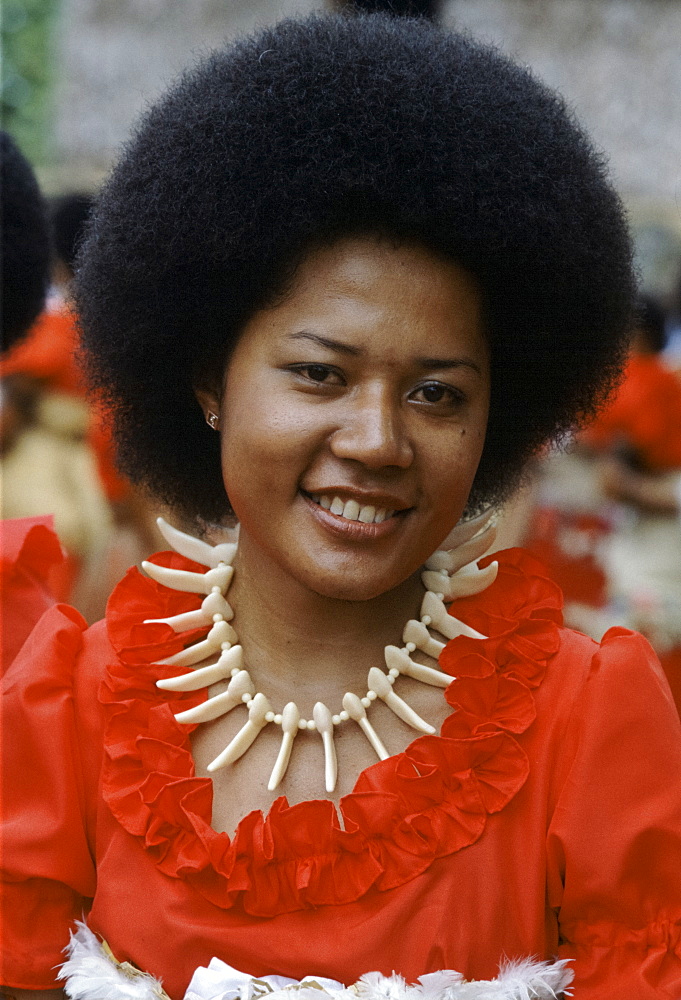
(394, 295)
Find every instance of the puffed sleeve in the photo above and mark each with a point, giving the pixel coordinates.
(46, 864)
(614, 842)
(29, 549)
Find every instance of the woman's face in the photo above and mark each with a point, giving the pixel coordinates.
(353, 416)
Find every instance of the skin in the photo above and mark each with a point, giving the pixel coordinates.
(371, 418)
(369, 380)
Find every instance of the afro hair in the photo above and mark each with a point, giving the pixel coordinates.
(333, 125)
(25, 243)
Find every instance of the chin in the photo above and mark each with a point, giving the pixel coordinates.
(353, 585)
(351, 591)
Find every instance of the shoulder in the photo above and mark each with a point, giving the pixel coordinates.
(30, 549)
(607, 725)
(58, 671)
(62, 645)
(623, 664)
(50, 652)
(54, 720)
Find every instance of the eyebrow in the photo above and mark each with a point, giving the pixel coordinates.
(445, 363)
(333, 345)
(441, 364)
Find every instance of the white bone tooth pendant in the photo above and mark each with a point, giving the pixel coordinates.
(452, 560)
(220, 704)
(462, 533)
(379, 683)
(435, 580)
(470, 580)
(356, 711)
(195, 548)
(231, 660)
(212, 605)
(221, 632)
(417, 633)
(290, 718)
(400, 660)
(324, 722)
(185, 580)
(258, 709)
(192, 619)
(466, 582)
(449, 573)
(434, 613)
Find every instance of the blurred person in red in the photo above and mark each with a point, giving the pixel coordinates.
(608, 519)
(639, 437)
(48, 466)
(60, 459)
(47, 354)
(642, 424)
(30, 550)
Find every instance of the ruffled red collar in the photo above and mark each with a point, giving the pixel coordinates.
(403, 813)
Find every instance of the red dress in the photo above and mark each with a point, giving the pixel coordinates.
(545, 820)
(29, 552)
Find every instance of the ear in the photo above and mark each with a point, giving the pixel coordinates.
(209, 402)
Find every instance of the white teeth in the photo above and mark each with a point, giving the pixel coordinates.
(366, 515)
(351, 510)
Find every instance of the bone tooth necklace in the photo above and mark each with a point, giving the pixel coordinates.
(450, 573)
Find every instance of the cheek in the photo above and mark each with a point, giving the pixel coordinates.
(265, 447)
(453, 467)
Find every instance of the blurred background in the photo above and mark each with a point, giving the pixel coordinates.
(605, 514)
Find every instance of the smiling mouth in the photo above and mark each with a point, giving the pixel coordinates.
(351, 510)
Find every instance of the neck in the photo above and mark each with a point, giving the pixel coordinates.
(300, 637)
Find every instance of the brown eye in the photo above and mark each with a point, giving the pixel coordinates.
(318, 373)
(437, 394)
(433, 393)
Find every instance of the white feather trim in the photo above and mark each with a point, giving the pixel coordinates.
(435, 984)
(524, 979)
(92, 973)
(375, 986)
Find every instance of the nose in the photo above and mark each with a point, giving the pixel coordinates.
(372, 432)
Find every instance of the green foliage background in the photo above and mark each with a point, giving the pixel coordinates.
(28, 74)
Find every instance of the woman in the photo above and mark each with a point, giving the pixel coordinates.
(347, 276)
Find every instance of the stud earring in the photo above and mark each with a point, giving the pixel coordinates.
(212, 420)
